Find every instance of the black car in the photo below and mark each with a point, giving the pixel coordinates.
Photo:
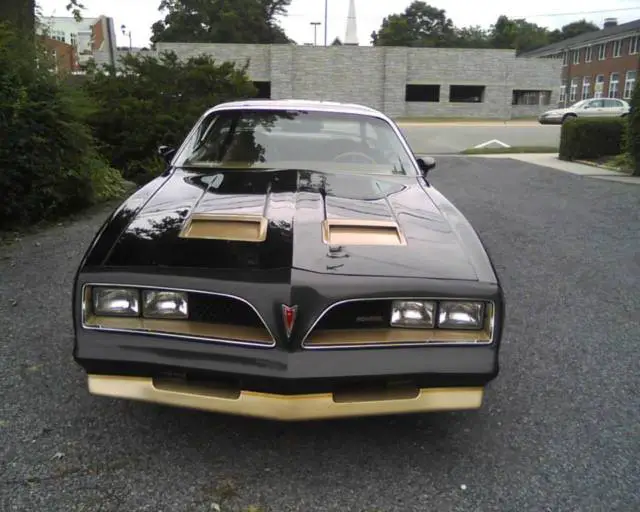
(293, 262)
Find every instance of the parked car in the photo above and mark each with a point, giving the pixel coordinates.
(601, 107)
(293, 262)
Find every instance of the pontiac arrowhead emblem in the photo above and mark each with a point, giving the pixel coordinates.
(289, 314)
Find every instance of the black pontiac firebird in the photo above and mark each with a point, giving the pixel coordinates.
(292, 263)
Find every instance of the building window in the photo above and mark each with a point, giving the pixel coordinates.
(574, 90)
(602, 51)
(629, 84)
(264, 90)
(617, 48)
(564, 58)
(422, 93)
(599, 87)
(576, 56)
(588, 54)
(586, 87)
(74, 40)
(613, 85)
(466, 93)
(563, 93)
(633, 45)
(530, 97)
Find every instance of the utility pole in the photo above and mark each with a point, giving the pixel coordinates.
(315, 32)
(326, 15)
(124, 33)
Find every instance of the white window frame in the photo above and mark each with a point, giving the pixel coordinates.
(633, 45)
(614, 85)
(629, 84)
(573, 91)
(563, 93)
(576, 56)
(565, 58)
(602, 51)
(586, 86)
(599, 80)
(617, 48)
(588, 53)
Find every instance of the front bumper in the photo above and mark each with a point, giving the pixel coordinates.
(550, 120)
(286, 407)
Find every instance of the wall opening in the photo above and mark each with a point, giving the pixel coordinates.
(264, 90)
(531, 97)
(466, 93)
(422, 93)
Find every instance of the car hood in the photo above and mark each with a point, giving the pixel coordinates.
(320, 222)
(556, 111)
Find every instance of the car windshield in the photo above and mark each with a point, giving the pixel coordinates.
(580, 103)
(323, 141)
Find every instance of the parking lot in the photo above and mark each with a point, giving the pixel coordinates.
(559, 429)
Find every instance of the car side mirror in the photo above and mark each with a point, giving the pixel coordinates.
(426, 164)
(166, 153)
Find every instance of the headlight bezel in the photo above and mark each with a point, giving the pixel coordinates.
(95, 300)
(139, 293)
(183, 311)
(481, 315)
(486, 314)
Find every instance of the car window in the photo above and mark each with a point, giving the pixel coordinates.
(596, 104)
(298, 139)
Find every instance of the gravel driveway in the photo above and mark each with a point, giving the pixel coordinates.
(559, 431)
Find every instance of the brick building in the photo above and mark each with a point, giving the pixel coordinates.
(602, 64)
(400, 81)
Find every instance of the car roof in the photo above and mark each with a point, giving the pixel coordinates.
(299, 104)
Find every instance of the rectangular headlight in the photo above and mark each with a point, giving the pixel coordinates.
(165, 304)
(413, 313)
(461, 315)
(116, 301)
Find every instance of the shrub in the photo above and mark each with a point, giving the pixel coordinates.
(50, 166)
(154, 101)
(591, 138)
(632, 141)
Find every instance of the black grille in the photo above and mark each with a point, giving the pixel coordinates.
(221, 310)
(357, 315)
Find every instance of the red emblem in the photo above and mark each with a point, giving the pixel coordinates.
(289, 314)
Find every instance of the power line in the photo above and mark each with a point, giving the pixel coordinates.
(548, 15)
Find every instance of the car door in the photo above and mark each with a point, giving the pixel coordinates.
(595, 108)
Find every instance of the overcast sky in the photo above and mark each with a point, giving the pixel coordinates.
(139, 15)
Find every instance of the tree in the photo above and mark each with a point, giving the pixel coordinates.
(22, 14)
(573, 29)
(220, 21)
(472, 37)
(517, 34)
(632, 138)
(419, 25)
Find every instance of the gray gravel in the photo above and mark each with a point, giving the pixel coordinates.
(559, 430)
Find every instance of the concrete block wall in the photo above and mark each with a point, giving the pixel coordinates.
(377, 76)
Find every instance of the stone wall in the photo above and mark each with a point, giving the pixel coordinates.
(378, 76)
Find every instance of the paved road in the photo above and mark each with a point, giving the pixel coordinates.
(455, 137)
(559, 431)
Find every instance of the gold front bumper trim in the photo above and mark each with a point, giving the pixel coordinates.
(285, 407)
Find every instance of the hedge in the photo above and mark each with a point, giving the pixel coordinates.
(50, 164)
(592, 138)
(632, 139)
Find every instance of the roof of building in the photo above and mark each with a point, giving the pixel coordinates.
(299, 104)
(584, 39)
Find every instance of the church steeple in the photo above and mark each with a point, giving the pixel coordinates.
(351, 37)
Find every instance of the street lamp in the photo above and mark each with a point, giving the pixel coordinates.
(326, 13)
(124, 33)
(315, 32)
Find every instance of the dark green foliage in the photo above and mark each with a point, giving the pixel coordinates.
(48, 162)
(155, 101)
(221, 21)
(632, 139)
(591, 138)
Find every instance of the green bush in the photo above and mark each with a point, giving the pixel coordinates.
(632, 140)
(155, 101)
(50, 166)
(591, 138)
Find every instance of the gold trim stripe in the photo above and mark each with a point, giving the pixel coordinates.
(284, 407)
(238, 228)
(328, 337)
(184, 327)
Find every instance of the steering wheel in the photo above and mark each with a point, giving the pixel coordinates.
(341, 156)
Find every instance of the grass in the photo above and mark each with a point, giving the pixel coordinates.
(510, 150)
(619, 163)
